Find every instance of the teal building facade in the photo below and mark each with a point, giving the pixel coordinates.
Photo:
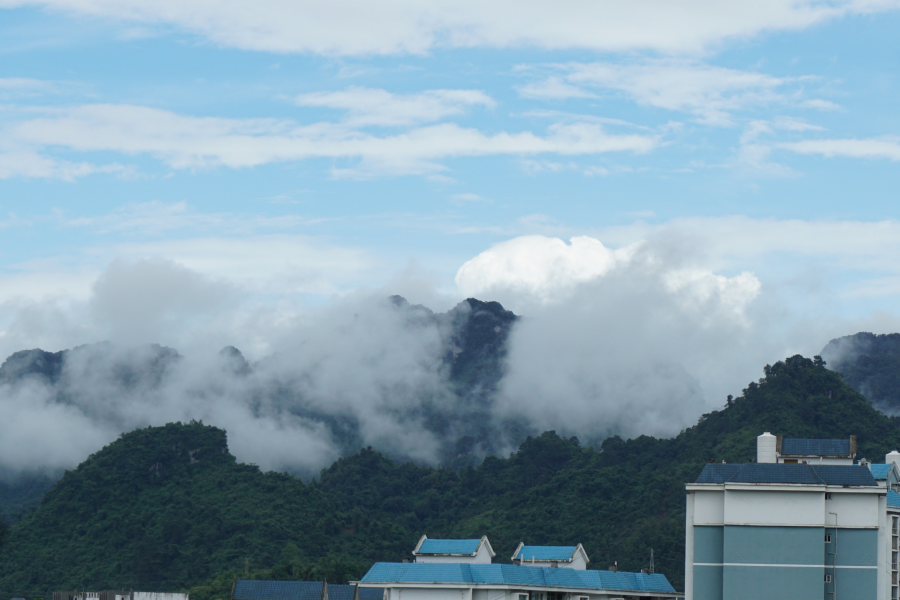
(801, 530)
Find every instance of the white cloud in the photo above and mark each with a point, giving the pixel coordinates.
(550, 270)
(886, 147)
(553, 88)
(379, 107)
(193, 142)
(346, 27)
(863, 247)
(29, 164)
(545, 267)
(22, 86)
(709, 92)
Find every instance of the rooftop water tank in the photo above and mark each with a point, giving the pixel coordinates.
(765, 448)
(892, 457)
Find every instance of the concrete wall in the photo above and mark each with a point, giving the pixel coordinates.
(758, 507)
(432, 594)
(159, 596)
(709, 508)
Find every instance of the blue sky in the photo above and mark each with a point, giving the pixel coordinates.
(299, 153)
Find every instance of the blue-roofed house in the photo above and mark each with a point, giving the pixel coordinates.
(466, 581)
(799, 529)
(569, 557)
(472, 551)
(887, 474)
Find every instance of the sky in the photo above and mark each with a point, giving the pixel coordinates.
(203, 173)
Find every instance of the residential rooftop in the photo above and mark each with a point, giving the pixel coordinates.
(515, 575)
(842, 475)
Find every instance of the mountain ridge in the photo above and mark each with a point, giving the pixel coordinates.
(180, 521)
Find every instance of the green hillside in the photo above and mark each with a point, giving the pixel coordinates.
(169, 508)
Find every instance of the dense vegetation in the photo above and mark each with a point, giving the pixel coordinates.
(870, 364)
(169, 508)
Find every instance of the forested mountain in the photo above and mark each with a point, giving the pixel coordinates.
(871, 365)
(439, 393)
(169, 507)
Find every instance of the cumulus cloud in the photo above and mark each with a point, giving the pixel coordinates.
(542, 266)
(195, 142)
(348, 27)
(614, 342)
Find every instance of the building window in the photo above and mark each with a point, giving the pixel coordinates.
(827, 538)
(523, 596)
(895, 557)
(828, 495)
(827, 577)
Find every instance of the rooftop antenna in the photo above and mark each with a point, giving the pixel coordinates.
(652, 567)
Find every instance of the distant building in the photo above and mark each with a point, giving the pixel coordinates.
(568, 557)
(803, 522)
(474, 551)
(261, 589)
(469, 577)
(119, 595)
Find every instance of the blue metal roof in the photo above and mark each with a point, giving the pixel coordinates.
(893, 498)
(780, 473)
(546, 552)
(465, 547)
(880, 471)
(801, 447)
(246, 589)
(516, 575)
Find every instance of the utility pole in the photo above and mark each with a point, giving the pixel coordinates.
(652, 567)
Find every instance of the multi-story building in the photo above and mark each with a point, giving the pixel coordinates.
(802, 522)
(457, 570)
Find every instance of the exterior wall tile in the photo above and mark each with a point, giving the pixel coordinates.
(774, 583)
(708, 544)
(774, 545)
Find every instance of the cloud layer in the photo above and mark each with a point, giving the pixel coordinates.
(195, 142)
(351, 27)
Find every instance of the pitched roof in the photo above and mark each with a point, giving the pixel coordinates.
(246, 589)
(803, 447)
(893, 498)
(880, 471)
(455, 547)
(546, 552)
(515, 575)
(780, 473)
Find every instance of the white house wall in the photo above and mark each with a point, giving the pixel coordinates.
(709, 508)
(482, 557)
(578, 563)
(159, 596)
(774, 508)
(475, 594)
(853, 510)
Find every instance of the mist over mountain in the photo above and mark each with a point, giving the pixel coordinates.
(870, 364)
(418, 385)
